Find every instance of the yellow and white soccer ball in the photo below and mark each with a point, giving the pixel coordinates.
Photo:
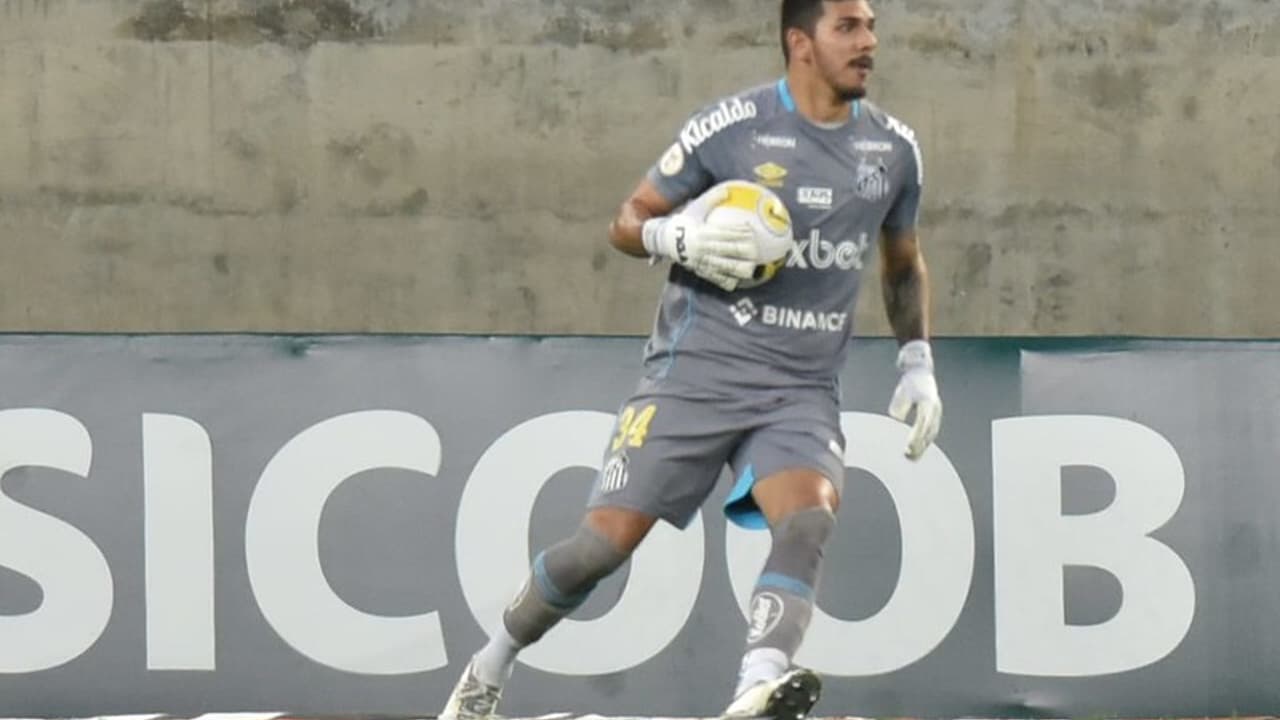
(760, 209)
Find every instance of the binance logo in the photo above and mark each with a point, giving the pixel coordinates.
(771, 174)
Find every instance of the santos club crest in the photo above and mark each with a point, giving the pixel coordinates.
(871, 181)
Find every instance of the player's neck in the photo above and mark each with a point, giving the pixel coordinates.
(816, 101)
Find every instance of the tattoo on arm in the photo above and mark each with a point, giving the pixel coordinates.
(905, 283)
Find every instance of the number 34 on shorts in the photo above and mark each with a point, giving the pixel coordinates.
(633, 426)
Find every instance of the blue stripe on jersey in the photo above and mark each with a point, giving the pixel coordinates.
(786, 583)
(788, 102)
(690, 311)
(784, 95)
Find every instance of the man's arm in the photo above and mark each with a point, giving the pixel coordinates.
(645, 202)
(904, 281)
(645, 227)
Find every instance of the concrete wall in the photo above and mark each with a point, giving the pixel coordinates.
(1097, 166)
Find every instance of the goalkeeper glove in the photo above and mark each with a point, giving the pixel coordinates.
(723, 256)
(917, 389)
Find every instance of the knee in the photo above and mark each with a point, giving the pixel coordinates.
(789, 492)
(809, 528)
(796, 559)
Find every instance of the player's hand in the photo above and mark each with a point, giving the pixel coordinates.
(917, 389)
(723, 256)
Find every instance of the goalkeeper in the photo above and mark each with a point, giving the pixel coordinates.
(747, 377)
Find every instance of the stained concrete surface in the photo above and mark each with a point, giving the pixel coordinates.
(436, 166)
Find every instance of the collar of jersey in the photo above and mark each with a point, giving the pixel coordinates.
(788, 102)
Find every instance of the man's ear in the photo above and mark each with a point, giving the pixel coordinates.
(800, 44)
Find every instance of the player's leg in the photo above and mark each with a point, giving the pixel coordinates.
(561, 579)
(799, 459)
(799, 505)
(661, 463)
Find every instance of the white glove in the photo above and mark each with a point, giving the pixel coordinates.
(919, 390)
(723, 256)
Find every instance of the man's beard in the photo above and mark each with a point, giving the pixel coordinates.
(849, 94)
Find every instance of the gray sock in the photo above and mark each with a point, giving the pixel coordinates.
(778, 619)
(561, 579)
(782, 603)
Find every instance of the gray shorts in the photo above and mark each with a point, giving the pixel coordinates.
(667, 449)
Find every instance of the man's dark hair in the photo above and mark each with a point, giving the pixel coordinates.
(802, 15)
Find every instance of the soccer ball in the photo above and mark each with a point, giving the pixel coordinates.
(757, 207)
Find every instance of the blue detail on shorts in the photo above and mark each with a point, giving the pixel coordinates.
(740, 507)
(550, 592)
(690, 312)
(786, 584)
(784, 94)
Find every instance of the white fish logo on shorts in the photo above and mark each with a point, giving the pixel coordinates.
(766, 612)
(614, 476)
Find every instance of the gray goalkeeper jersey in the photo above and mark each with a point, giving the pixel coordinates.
(842, 185)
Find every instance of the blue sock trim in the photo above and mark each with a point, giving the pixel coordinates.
(787, 584)
(550, 592)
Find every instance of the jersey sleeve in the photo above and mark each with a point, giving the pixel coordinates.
(681, 174)
(905, 210)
